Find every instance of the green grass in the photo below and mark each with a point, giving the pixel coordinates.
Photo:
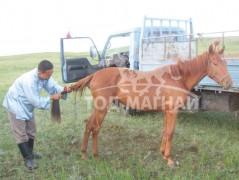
(205, 144)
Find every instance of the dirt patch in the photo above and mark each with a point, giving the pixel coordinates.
(121, 142)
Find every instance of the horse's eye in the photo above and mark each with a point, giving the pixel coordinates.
(215, 63)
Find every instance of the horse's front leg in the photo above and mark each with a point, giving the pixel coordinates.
(163, 144)
(171, 116)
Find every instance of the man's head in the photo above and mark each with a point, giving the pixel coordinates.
(45, 69)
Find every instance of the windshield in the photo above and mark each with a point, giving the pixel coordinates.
(117, 45)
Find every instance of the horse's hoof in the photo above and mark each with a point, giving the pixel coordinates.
(84, 157)
(171, 165)
(95, 156)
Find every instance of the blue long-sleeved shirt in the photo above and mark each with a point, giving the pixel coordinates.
(24, 95)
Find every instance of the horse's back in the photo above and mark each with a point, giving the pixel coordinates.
(106, 74)
(105, 80)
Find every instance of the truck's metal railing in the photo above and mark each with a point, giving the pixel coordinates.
(200, 43)
(163, 29)
(203, 40)
(163, 22)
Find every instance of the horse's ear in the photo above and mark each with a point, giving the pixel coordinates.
(212, 47)
(221, 50)
(216, 42)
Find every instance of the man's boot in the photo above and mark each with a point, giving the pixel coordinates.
(31, 146)
(24, 149)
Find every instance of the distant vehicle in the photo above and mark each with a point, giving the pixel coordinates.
(158, 42)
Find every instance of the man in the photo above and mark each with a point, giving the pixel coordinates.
(21, 99)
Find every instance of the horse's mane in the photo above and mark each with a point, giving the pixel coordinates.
(190, 67)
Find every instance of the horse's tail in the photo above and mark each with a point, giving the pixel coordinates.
(55, 111)
(81, 84)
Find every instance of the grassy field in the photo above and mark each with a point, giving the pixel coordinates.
(231, 44)
(205, 144)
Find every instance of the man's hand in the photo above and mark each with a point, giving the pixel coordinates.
(56, 96)
(68, 89)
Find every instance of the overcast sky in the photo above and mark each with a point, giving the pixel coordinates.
(28, 26)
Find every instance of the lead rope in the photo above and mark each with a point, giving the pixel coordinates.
(75, 104)
(201, 39)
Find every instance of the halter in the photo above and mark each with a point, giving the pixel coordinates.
(214, 74)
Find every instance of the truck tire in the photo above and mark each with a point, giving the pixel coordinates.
(124, 110)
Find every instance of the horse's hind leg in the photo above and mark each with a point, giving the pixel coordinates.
(100, 115)
(88, 129)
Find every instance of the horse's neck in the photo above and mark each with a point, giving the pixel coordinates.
(193, 77)
(192, 81)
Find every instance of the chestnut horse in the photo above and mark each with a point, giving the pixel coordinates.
(164, 89)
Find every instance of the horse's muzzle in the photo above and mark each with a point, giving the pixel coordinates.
(227, 83)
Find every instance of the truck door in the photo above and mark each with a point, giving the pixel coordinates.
(79, 58)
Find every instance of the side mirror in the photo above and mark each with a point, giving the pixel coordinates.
(93, 52)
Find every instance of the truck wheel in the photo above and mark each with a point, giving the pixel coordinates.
(124, 109)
